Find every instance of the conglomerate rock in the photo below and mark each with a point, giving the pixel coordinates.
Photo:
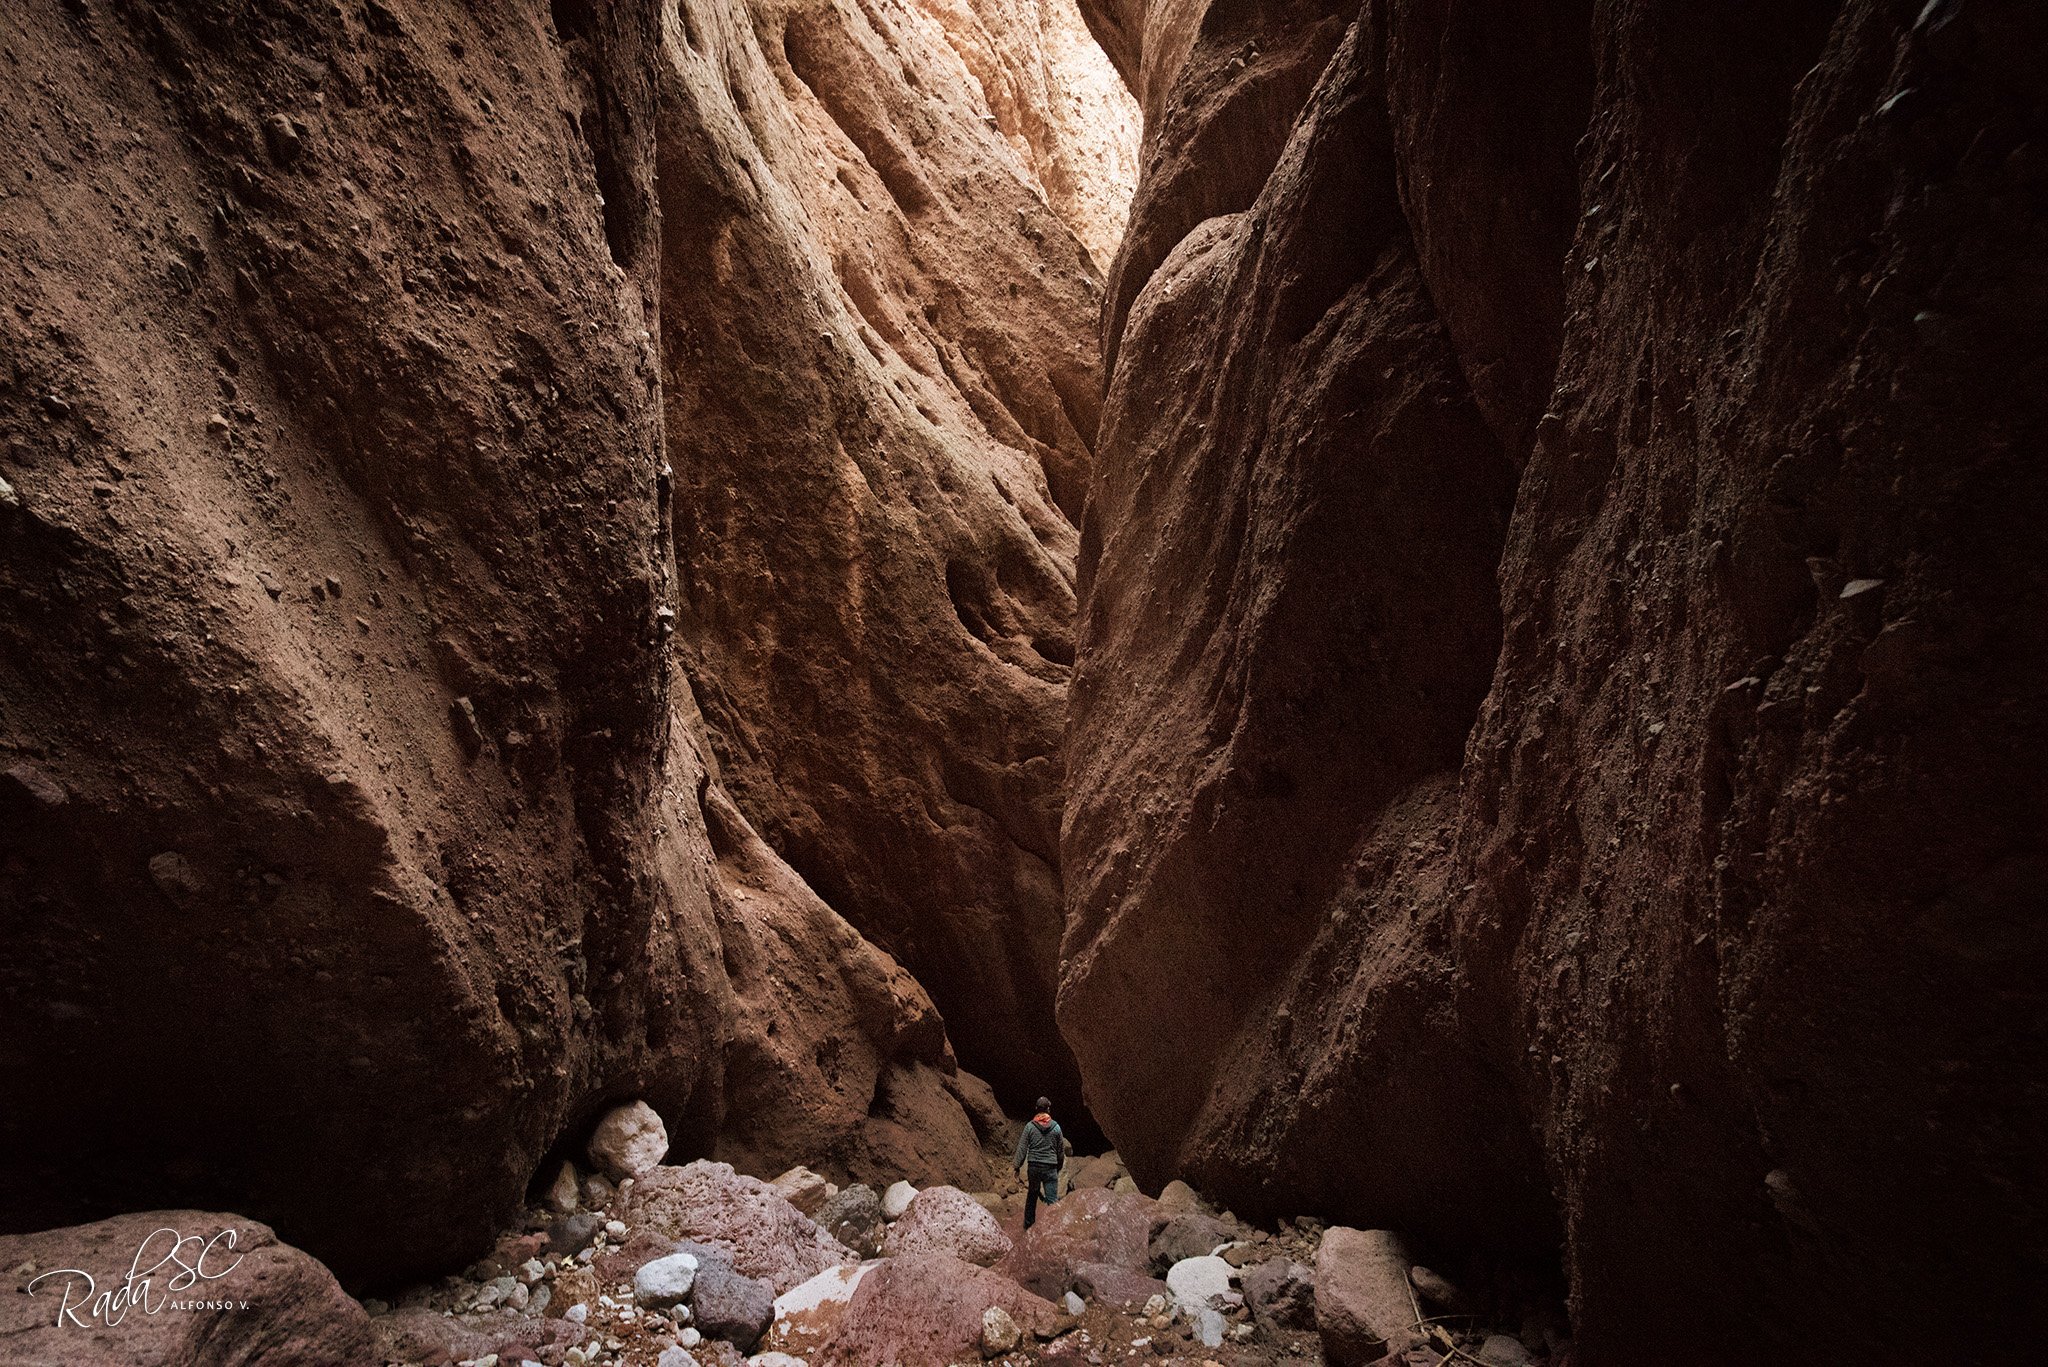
(1556, 749)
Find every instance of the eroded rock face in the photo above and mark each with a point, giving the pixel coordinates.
(362, 584)
(875, 464)
(1529, 763)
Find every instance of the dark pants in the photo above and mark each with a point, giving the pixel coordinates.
(1041, 1179)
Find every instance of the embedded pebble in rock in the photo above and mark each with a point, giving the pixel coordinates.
(630, 1141)
(615, 1230)
(897, 1199)
(1199, 1283)
(1073, 1304)
(665, 1281)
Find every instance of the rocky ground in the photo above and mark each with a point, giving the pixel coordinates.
(697, 1265)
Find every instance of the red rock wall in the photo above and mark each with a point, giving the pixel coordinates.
(1501, 803)
(875, 462)
(408, 420)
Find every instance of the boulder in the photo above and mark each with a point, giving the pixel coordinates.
(947, 1220)
(725, 1304)
(897, 1199)
(1092, 1226)
(1280, 1292)
(1190, 1234)
(665, 1281)
(1177, 1198)
(630, 1141)
(807, 1315)
(926, 1310)
(804, 1189)
(854, 1218)
(1200, 1284)
(1365, 1309)
(710, 1202)
(69, 1298)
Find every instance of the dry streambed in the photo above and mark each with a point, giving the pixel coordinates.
(645, 1264)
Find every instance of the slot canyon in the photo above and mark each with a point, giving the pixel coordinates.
(627, 626)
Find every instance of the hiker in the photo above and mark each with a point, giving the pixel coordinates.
(1042, 1148)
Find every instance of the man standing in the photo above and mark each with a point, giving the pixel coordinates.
(1041, 1148)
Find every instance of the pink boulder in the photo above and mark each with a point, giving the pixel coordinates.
(172, 1288)
(1089, 1226)
(710, 1202)
(947, 1220)
(925, 1310)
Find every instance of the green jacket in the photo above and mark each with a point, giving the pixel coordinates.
(1043, 1146)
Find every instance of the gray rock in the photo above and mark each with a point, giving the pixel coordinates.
(1209, 1328)
(1189, 1234)
(1073, 1304)
(726, 1305)
(572, 1235)
(854, 1218)
(665, 1281)
(674, 1357)
(1281, 1293)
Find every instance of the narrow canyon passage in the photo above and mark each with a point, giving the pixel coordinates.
(1423, 619)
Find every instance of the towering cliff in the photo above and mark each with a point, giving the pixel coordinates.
(459, 470)
(1555, 756)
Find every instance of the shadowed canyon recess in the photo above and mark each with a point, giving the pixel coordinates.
(1426, 615)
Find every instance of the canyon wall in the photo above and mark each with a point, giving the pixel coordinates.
(409, 654)
(1555, 754)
